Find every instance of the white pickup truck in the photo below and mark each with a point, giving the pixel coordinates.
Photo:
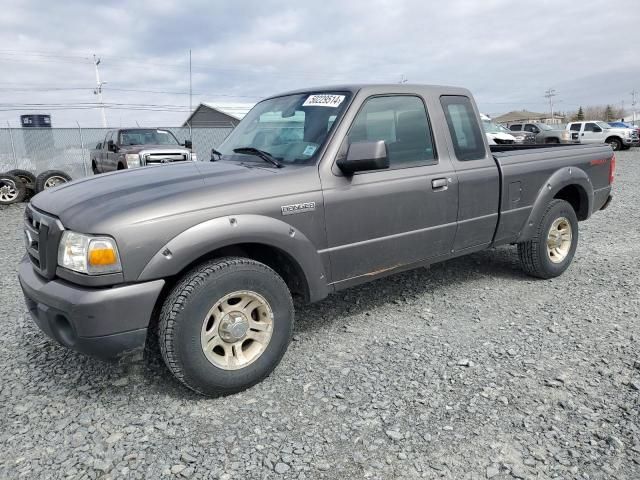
(600, 132)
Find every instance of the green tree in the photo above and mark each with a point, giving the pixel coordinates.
(608, 113)
(580, 115)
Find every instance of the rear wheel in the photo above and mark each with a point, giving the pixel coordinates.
(550, 252)
(50, 179)
(12, 190)
(226, 325)
(615, 143)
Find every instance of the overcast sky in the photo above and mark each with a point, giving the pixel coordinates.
(507, 52)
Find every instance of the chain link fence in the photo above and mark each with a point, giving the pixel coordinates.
(67, 149)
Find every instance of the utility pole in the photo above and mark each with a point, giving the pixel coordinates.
(190, 91)
(550, 94)
(98, 90)
(403, 79)
(633, 104)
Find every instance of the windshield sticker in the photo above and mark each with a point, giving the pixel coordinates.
(310, 150)
(332, 101)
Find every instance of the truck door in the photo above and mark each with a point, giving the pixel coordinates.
(574, 128)
(530, 127)
(478, 176)
(591, 133)
(383, 219)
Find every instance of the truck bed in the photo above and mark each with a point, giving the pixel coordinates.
(526, 171)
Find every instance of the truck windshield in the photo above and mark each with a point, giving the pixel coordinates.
(490, 127)
(291, 128)
(147, 137)
(603, 125)
(544, 126)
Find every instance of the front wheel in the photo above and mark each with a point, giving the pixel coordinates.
(226, 325)
(615, 144)
(550, 252)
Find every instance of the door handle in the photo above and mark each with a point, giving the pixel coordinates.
(439, 184)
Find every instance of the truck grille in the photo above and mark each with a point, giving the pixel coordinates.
(42, 234)
(152, 158)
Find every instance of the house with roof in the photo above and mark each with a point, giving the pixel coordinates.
(217, 115)
(518, 116)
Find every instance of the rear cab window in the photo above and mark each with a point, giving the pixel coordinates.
(575, 127)
(467, 138)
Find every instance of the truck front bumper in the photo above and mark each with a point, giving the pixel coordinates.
(107, 323)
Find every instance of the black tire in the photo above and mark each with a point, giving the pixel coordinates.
(552, 140)
(28, 178)
(44, 180)
(186, 310)
(94, 168)
(615, 143)
(534, 256)
(12, 190)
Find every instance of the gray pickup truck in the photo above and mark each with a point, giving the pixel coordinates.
(138, 147)
(546, 133)
(313, 192)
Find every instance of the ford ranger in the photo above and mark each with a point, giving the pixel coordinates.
(138, 147)
(313, 192)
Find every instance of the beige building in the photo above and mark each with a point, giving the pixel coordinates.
(526, 116)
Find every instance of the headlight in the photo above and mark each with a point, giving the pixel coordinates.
(133, 160)
(88, 254)
(194, 157)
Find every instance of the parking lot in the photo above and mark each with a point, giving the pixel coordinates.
(466, 370)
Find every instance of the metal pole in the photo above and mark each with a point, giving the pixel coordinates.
(98, 90)
(82, 150)
(550, 94)
(190, 91)
(13, 147)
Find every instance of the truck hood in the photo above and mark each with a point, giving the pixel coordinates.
(97, 204)
(139, 148)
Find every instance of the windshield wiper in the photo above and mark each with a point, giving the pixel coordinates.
(266, 156)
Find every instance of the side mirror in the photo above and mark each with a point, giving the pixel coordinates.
(98, 146)
(188, 144)
(536, 131)
(111, 146)
(362, 156)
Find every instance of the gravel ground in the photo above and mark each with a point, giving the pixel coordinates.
(467, 370)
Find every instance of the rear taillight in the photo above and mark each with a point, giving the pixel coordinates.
(612, 168)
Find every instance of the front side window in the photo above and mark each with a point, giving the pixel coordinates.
(575, 127)
(146, 136)
(291, 128)
(402, 122)
(516, 127)
(468, 142)
(531, 128)
(590, 127)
